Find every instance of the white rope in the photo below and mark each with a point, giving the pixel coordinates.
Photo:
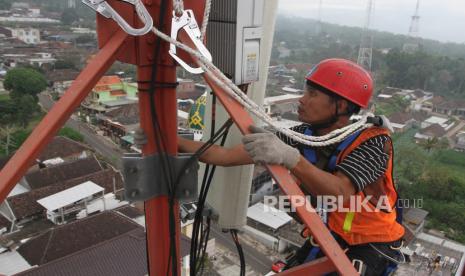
(178, 6)
(220, 79)
(206, 16)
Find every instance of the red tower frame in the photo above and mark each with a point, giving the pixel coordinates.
(117, 45)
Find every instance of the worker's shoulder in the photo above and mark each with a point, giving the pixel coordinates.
(374, 131)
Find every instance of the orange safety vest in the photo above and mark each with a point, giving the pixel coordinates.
(363, 226)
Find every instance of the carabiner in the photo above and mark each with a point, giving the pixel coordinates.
(102, 7)
(187, 22)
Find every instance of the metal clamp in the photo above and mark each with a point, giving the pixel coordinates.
(187, 22)
(144, 177)
(102, 7)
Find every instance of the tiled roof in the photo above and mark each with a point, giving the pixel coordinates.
(73, 237)
(62, 147)
(126, 115)
(108, 80)
(62, 172)
(62, 75)
(130, 212)
(433, 130)
(400, 118)
(25, 205)
(121, 256)
(451, 104)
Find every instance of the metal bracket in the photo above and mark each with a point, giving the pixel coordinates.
(144, 177)
(187, 22)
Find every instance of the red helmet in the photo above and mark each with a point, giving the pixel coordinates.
(344, 78)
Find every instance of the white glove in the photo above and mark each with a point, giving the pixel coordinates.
(266, 148)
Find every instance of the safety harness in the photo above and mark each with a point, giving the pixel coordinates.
(311, 155)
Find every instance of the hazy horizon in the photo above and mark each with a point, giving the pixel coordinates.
(436, 17)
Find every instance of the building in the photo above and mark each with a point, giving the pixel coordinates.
(444, 122)
(450, 108)
(60, 80)
(414, 221)
(279, 105)
(64, 149)
(431, 132)
(110, 244)
(21, 205)
(110, 92)
(27, 35)
(402, 122)
(264, 222)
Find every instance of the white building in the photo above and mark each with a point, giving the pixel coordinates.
(27, 35)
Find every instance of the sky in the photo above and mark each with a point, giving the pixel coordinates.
(442, 20)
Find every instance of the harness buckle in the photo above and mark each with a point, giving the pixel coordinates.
(359, 266)
(103, 8)
(187, 22)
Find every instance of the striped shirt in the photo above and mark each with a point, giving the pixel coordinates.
(364, 165)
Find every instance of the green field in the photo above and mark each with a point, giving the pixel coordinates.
(4, 97)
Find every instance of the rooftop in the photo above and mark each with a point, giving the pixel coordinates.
(44, 177)
(70, 196)
(268, 215)
(70, 238)
(62, 147)
(123, 255)
(25, 205)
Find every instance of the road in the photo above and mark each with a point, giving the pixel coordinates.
(106, 148)
(258, 261)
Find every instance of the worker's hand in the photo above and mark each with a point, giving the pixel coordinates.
(266, 148)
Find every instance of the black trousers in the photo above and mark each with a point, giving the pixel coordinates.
(374, 262)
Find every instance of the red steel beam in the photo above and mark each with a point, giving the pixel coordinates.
(157, 209)
(59, 114)
(288, 185)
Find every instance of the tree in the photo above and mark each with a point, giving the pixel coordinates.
(69, 16)
(24, 81)
(26, 107)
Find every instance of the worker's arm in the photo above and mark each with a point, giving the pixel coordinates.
(217, 155)
(319, 182)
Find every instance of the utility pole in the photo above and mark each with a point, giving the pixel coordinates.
(412, 40)
(365, 53)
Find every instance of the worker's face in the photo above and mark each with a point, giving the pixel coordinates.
(315, 106)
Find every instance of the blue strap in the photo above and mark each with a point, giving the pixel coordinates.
(340, 148)
(309, 153)
(312, 255)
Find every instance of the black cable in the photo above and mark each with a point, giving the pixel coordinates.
(160, 143)
(206, 182)
(239, 251)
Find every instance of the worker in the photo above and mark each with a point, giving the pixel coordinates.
(360, 165)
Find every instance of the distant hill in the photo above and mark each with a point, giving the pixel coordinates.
(298, 29)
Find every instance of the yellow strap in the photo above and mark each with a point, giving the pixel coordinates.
(348, 221)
